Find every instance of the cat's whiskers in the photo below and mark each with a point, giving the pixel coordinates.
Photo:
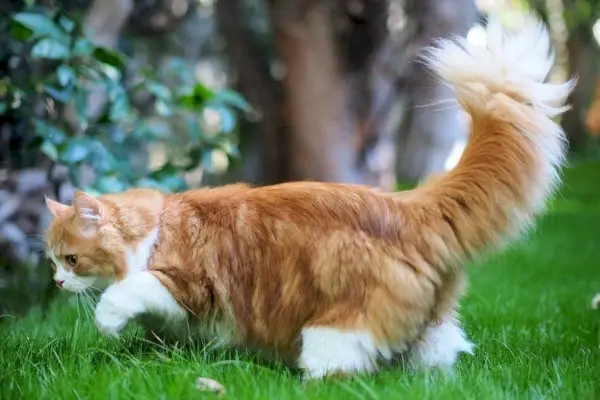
(78, 297)
(86, 302)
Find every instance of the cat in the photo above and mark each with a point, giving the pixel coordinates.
(335, 279)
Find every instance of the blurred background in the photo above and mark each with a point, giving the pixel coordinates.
(103, 95)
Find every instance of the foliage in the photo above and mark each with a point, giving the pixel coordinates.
(54, 69)
(579, 15)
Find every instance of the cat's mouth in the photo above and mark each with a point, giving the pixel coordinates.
(76, 284)
(81, 284)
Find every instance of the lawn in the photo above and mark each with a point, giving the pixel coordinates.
(528, 311)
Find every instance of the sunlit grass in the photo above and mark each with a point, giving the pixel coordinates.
(528, 311)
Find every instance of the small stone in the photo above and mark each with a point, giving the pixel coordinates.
(210, 385)
(596, 301)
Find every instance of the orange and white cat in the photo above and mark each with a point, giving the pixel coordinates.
(333, 277)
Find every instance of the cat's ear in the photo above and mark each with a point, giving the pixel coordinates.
(55, 207)
(89, 211)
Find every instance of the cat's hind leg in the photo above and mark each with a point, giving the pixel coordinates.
(440, 346)
(330, 350)
(341, 342)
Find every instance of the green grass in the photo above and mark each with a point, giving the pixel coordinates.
(528, 311)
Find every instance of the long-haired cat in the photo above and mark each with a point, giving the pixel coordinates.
(334, 277)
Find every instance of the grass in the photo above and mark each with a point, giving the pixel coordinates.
(528, 311)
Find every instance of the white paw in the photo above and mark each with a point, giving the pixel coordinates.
(329, 350)
(441, 346)
(110, 320)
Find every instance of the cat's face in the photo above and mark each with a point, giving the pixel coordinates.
(86, 250)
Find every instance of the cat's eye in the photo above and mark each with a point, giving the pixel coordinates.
(71, 260)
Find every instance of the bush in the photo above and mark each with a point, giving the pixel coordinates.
(52, 73)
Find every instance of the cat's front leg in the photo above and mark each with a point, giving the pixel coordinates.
(141, 293)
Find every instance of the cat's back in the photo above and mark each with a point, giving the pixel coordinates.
(305, 206)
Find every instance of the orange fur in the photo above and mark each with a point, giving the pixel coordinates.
(261, 265)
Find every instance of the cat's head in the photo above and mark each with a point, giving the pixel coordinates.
(86, 249)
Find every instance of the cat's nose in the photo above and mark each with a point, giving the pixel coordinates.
(60, 283)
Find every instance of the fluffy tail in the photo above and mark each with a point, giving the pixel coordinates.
(512, 159)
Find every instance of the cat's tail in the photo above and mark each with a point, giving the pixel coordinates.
(512, 160)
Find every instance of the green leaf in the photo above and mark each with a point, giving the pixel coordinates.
(228, 120)
(159, 90)
(20, 32)
(150, 183)
(233, 99)
(89, 73)
(61, 95)
(83, 47)
(168, 177)
(42, 26)
(199, 95)
(66, 75)
(110, 57)
(193, 127)
(49, 132)
(75, 150)
(50, 49)
(231, 149)
(119, 106)
(81, 105)
(66, 23)
(49, 149)
(3, 107)
(162, 109)
(110, 184)
(101, 159)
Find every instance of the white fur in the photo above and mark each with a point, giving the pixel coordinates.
(441, 346)
(514, 65)
(326, 350)
(137, 259)
(137, 294)
(140, 292)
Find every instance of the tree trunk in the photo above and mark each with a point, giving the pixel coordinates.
(264, 162)
(433, 123)
(583, 62)
(326, 79)
(320, 144)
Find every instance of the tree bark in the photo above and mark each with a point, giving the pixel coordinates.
(583, 62)
(433, 122)
(329, 87)
(261, 90)
(320, 147)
